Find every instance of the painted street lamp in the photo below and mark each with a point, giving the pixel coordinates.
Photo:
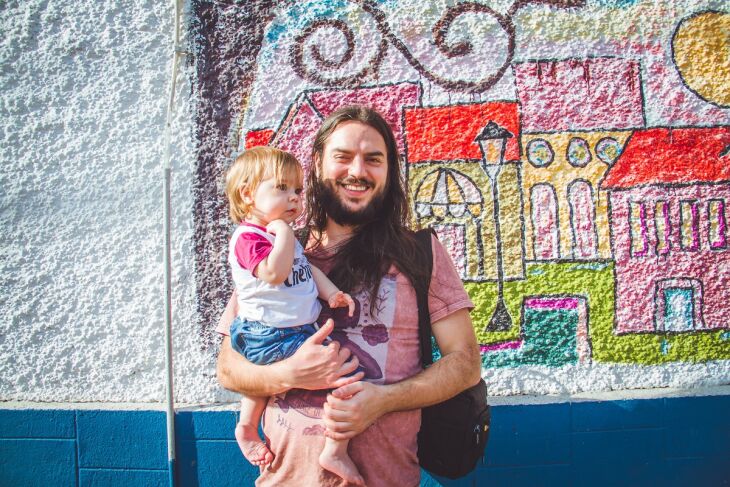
(492, 142)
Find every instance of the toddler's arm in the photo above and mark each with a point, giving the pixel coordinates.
(276, 266)
(329, 292)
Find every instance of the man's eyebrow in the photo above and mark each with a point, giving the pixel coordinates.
(346, 151)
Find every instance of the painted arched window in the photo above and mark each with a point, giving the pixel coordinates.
(545, 235)
(582, 220)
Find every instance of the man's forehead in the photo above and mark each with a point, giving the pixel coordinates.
(352, 135)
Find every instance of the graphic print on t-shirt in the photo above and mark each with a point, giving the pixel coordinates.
(301, 272)
(365, 334)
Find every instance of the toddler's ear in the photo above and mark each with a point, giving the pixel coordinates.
(246, 196)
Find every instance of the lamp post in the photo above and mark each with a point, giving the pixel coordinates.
(492, 142)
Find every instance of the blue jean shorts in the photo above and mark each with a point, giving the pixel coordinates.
(262, 344)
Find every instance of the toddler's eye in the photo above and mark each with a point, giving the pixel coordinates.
(281, 187)
(298, 191)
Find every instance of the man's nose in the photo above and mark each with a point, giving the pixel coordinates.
(357, 167)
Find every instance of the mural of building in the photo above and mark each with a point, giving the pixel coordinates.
(577, 114)
(451, 185)
(669, 193)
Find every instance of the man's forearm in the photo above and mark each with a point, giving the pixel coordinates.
(444, 379)
(237, 374)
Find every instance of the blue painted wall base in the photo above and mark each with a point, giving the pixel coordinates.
(668, 442)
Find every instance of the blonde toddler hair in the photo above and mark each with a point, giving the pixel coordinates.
(252, 167)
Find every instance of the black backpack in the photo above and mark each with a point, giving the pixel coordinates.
(453, 433)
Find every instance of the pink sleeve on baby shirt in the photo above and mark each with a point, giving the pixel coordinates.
(251, 248)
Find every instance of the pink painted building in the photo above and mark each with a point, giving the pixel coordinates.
(304, 116)
(668, 205)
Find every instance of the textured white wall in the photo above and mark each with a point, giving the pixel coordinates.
(83, 94)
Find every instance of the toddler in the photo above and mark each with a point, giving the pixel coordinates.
(277, 287)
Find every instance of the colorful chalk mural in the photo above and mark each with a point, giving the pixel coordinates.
(572, 155)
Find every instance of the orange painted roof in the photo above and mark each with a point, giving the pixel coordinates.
(448, 132)
(672, 156)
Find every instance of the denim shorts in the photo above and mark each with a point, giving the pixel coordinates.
(262, 344)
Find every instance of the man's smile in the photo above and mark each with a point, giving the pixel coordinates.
(357, 186)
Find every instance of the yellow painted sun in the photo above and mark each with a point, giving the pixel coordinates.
(701, 53)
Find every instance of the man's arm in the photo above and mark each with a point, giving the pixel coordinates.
(313, 366)
(352, 408)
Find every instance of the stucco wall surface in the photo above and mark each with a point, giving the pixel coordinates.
(83, 94)
(617, 160)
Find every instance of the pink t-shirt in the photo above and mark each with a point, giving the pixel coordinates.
(251, 248)
(387, 346)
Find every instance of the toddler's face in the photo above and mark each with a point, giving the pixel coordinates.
(272, 201)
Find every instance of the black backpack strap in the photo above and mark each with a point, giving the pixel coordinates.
(423, 238)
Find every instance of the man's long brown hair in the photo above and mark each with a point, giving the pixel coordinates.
(363, 260)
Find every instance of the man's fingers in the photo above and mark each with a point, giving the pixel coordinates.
(336, 415)
(339, 436)
(344, 353)
(343, 381)
(348, 390)
(321, 335)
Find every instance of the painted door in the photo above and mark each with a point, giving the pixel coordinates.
(546, 238)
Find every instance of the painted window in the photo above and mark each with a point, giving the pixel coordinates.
(540, 153)
(689, 225)
(663, 227)
(546, 238)
(582, 220)
(639, 232)
(578, 154)
(717, 225)
(678, 305)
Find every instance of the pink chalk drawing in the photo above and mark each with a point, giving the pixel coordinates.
(579, 94)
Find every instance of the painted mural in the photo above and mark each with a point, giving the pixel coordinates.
(572, 155)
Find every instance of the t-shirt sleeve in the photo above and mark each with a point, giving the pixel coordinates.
(446, 294)
(251, 248)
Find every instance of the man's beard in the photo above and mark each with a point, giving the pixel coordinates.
(340, 214)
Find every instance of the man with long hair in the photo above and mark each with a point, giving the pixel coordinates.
(358, 233)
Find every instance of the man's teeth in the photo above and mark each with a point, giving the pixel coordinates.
(355, 187)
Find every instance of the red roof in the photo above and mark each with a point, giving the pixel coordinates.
(672, 156)
(255, 138)
(447, 133)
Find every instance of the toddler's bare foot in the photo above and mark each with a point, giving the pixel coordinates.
(342, 466)
(251, 445)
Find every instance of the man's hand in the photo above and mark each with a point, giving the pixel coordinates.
(350, 409)
(340, 300)
(319, 366)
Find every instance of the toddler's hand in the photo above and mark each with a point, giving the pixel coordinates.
(340, 300)
(277, 227)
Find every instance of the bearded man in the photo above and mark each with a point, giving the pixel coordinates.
(358, 219)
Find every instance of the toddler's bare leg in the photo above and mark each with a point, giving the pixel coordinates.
(247, 431)
(334, 458)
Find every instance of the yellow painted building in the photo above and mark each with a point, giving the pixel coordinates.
(570, 165)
